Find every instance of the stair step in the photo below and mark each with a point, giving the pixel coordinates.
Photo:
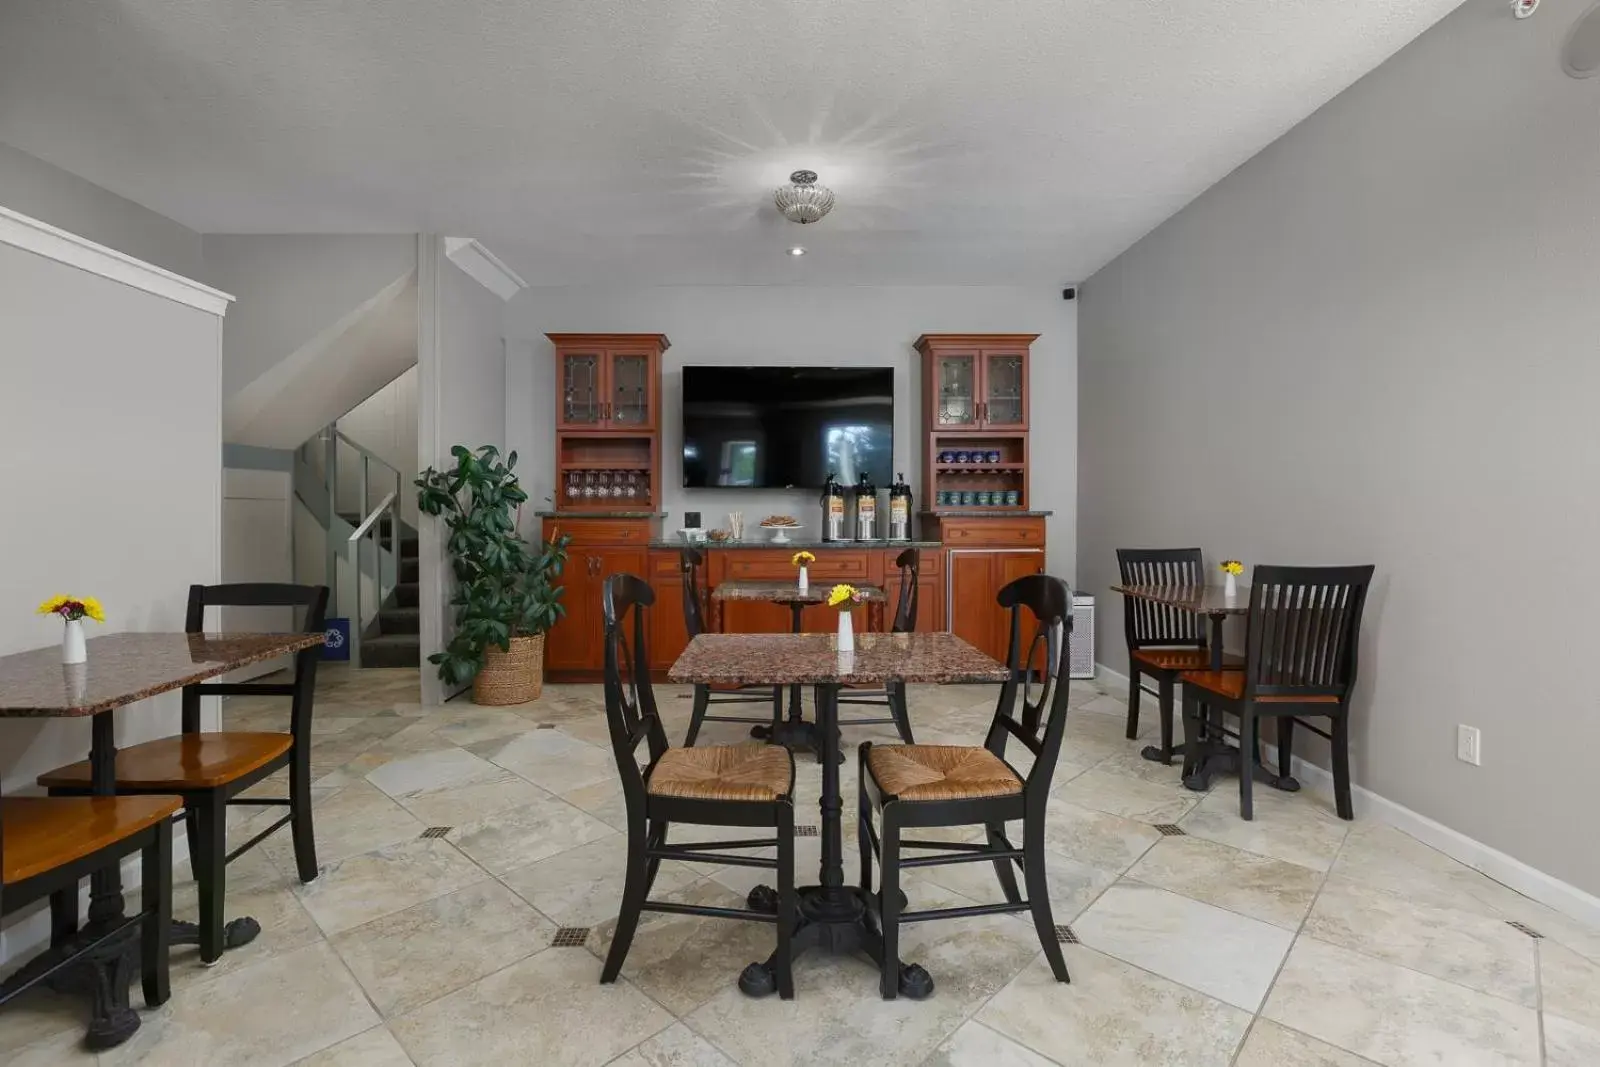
(392, 650)
(406, 595)
(408, 548)
(410, 571)
(399, 621)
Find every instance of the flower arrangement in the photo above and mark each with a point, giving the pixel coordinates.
(1231, 569)
(74, 608)
(841, 594)
(802, 558)
(1231, 566)
(845, 596)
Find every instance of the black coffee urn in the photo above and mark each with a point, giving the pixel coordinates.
(832, 509)
(899, 509)
(866, 510)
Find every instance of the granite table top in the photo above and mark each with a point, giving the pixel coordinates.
(814, 659)
(788, 592)
(1200, 599)
(128, 667)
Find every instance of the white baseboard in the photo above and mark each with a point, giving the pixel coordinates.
(1509, 871)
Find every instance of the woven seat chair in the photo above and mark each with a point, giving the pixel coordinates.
(691, 561)
(909, 786)
(718, 785)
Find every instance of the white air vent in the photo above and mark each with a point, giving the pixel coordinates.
(1082, 665)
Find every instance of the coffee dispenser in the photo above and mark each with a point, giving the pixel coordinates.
(899, 509)
(866, 507)
(832, 510)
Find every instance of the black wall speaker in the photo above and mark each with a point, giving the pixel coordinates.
(1069, 293)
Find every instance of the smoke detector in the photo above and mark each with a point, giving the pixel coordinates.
(1523, 8)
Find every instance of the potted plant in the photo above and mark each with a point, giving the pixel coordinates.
(506, 595)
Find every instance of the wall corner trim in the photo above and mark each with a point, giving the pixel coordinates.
(484, 267)
(40, 238)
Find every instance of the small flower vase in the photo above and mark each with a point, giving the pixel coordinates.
(73, 647)
(847, 632)
(1230, 586)
(804, 581)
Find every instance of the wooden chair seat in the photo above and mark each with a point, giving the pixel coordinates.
(44, 833)
(1230, 684)
(724, 772)
(940, 772)
(181, 762)
(1182, 659)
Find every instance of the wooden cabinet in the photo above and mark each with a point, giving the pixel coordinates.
(599, 549)
(666, 633)
(608, 381)
(981, 557)
(975, 381)
(930, 590)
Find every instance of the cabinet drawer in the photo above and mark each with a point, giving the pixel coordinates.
(665, 562)
(998, 532)
(774, 566)
(601, 531)
(930, 560)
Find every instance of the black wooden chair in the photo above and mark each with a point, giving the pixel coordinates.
(718, 785)
(691, 562)
(893, 694)
(48, 845)
(209, 770)
(1163, 642)
(1300, 659)
(950, 785)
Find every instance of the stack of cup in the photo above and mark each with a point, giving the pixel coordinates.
(736, 525)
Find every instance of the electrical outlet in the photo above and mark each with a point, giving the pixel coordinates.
(1467, 745)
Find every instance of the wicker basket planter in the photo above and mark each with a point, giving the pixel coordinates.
(514, 677)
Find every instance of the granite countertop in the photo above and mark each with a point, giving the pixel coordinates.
(601, 514)
(788, 592)
(791, 544)
(124, 668)
(813, 659)
(985, 513)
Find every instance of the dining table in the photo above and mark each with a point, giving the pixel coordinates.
(121, 669)
(832, 915)
(794, 731)
(1209, 754)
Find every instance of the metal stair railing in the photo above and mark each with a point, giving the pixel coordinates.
(369, 525)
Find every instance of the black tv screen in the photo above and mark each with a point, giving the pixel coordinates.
(776, 427)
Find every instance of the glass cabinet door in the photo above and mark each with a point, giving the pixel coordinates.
(1005, 384)
(580, 389)
(630, 389)
(957, 384)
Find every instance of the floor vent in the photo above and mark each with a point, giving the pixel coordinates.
(805, 830)
(570, 937)
(1065, 935)
(1525, 928)
(545, 726)
(437, 831)
(1171, 830)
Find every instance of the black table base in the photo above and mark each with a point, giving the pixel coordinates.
(841, 920)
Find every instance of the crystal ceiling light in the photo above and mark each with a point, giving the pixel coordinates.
(803, 200)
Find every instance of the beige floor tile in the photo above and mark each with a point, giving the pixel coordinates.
(63, 1050)
(1381, 857)
(1395, 1016)
(519, 836)
(583, 886)
(549, 1010)
(676, 1046)
(475, 800)
(414, 956)
(1131, 798)
(40, 1016)
(1220, 953)
(430, 771)
(358, 818)
(1096, 838)
(1468, 949)
(1131, 764)
(1293, 828)
(553, 761)
(1073, 885)
(1566, 1044)
(1271, 890)
(1571, 984)
(603, 800)
(1271, 1045)
(375, 1048)
(975, 1045)
(1114, 1015)
(285, 926)
(476, 725)
(274, 1013)
(375, 884)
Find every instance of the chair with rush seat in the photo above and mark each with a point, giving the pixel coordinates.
(1163, 642)
(913, 786)
(209, 770)
(718, 785)
(893, 694)
(1300, 659)
(49, 844)
(692, 563)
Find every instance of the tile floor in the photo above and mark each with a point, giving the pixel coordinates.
(1293, 941)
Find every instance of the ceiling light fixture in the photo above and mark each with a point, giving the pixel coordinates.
(797, 251)
(803, 200)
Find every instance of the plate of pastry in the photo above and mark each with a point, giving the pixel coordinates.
(781, 526)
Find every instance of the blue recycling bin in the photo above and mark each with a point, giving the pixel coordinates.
(336, 644)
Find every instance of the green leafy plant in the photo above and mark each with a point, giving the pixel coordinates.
(505, 587)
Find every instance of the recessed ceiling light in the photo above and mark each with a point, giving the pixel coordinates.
(797, 251)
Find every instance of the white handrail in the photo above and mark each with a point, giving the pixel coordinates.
(363, 449)
(366, 524)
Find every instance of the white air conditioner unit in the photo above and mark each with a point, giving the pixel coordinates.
(1082, 665)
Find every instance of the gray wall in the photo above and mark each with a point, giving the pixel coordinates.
(64, 200)
(1376, 342)
(777, 325)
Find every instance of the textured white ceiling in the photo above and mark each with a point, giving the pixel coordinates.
(639, 140)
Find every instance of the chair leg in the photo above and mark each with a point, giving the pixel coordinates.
(788, 906)
(702, 700)
(1285, 746)
(155, 937)
(1133, 698)
(211, 873)
(1039, 896)
(633, 896)
(1192, 732)
(658, 837)
(300, 825)
(1003, 868)
(1248, 737)
(864, 820)
(889, 902)
(63, 915)
(1341, 764)
(1165, 682)
(191, 831)
(901, 713)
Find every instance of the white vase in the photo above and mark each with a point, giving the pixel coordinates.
(1230, 586)
(805, 580)
(847, 632)
(73, 647)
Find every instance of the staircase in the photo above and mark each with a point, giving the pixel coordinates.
(396, 642)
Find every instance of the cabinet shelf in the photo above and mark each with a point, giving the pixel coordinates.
(978, 468)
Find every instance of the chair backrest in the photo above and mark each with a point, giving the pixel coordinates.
(1049, 602)
(691, 561)
(312, 598)
(1147, 623)
(1304, 629)
(631, 711)
(905, 613)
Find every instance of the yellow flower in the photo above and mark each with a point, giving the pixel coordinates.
(92, 608)
(801, 558)
(841, 593)
(73, 607)
(1231, 566)
(53, 605)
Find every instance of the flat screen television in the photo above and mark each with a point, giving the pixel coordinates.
(782, 427)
